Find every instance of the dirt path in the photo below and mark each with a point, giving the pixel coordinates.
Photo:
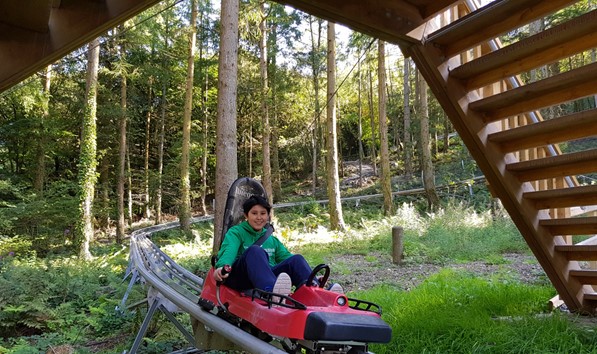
(358, 272)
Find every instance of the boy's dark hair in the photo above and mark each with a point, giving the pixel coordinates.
(256, 200)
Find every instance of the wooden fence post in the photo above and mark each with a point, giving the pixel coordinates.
(397, 244)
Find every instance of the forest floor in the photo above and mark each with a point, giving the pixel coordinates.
(359, 272)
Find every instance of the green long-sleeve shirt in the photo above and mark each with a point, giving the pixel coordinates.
(242, 236)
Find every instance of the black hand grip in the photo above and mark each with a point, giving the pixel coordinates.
(226, 269)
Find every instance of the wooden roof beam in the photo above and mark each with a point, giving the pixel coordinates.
(548, 46)
(546, 132)
(429, 8)
(32, 15)
(72, 24)
(483, 24)
(388, 20)
(560, 88)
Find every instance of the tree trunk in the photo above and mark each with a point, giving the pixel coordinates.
(184, 212)
(360, 127)
(88, 159)
(333, 180)
(226, 146)
(146, 205)
(446, 136)
(120, 226)
(426, 163)
(40, 168)
(161, 138)
(408, 165)
(315, 49)
(386, 177)
(103, 216)
(129, 176)
(250, 163)
(265, 143)
(372, 122)
(276, 178)
(204, 90)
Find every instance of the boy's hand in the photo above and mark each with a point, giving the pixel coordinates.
(221, 273)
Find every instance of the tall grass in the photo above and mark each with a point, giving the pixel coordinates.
(456, 312)
(456, 233)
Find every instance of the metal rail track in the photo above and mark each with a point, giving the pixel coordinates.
(172, 288)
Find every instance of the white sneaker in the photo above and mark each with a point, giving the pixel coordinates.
(282, 286)
(337, 288)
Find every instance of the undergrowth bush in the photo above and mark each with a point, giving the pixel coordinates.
(54, 301)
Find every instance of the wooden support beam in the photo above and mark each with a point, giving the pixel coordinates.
(569, 38)
(546, 132)
(557, 89)
(490, 21)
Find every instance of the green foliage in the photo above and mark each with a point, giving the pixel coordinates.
(45, 223)
(56, 301)
(11, 247)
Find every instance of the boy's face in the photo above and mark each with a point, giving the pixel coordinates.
(257, 217)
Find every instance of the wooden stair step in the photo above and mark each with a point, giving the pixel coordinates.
(563, 197)
(546, 132)
(578, 253)
(590, 296)
(560, 88)
(481, 25)
(585, 276)
(571, 226)
(555, 166)
(574, 36)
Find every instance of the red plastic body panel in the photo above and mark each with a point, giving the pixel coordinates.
(277, 320)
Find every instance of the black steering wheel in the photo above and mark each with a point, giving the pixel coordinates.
(316, 271)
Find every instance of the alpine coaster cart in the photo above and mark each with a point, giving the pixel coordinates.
(310, 320)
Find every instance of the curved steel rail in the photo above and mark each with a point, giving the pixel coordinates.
(177, 289)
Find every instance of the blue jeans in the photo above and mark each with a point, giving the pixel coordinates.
(252, 270)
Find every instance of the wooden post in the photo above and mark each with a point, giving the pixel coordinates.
(397, 244)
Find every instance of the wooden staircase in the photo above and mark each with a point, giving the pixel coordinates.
(475, 78)
(477, 81)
